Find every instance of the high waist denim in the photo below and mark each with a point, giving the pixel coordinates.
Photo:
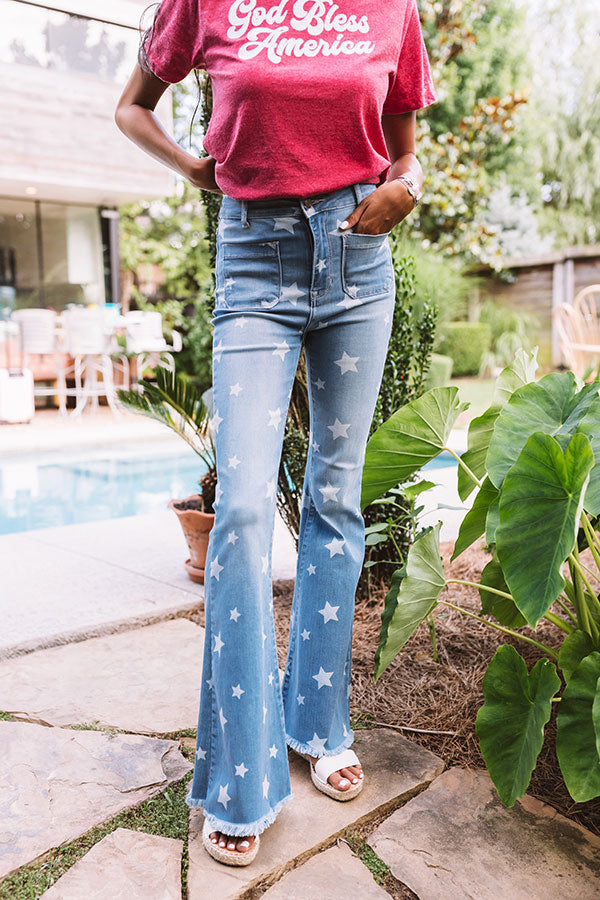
(287, 278)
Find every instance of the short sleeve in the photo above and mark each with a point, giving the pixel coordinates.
(412, 87)
(172, 46)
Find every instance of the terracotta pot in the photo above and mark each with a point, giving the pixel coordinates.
(196, 527)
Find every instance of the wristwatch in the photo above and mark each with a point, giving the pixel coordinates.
(411, 187)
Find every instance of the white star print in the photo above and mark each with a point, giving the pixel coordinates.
(241, 770)
(311, 569)
(300, 700)
(218, 350)
(292, 293)
(200, 753)
(347, 363)
(305, 635)
(323, 678)
(264, 637)
(353, 290)
(285, 223)
(271, 678)
(329, 492)
(235, 389)
(239, 323)
(264, 714)
(222, 718)
(275, 418)
(320, 384)
(237, 691)
(272, 751)
(265, 564)
(317, 744)
(316, 447)
(321, 265)
(281, 349)
(329, 612)
(209, 683)
(218, 494)
(222, 227)
(234, 614)
(215, 421)
(270, 488)
(218, 643)
(338, 430)
(348, 690)
(216, 568)
(335, 546)
(265, 787)
(234, 462)
(349, 302)
(232, 537)
(229, 282)
(224, 797)
(345, 731)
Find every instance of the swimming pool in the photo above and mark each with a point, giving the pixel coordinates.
(64, 488)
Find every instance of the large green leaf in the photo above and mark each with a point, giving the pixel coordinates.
(596, 716)
(540, 508)
(473, 524)
(410, 438)
(503, 609)
(521, 371)
(510, 724)
(552, 405)
(416, 595)
(575, 732)
(574, 648)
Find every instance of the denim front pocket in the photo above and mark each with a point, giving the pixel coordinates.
(251, 274)
(366, 264)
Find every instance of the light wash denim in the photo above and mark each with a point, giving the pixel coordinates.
(287, 278)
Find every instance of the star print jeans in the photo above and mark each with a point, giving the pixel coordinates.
(287, 280)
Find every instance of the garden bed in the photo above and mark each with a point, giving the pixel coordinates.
(415, 692)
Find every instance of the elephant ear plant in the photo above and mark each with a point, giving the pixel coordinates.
(534, 460)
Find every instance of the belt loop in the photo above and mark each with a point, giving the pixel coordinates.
(244, 216)
(357, 192)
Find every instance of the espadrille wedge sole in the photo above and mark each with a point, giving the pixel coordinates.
(229, 857)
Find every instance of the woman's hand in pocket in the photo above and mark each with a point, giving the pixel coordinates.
(383, 208)
(201, 173)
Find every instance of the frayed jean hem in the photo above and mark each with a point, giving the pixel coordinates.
(299, 747)
(244, 830)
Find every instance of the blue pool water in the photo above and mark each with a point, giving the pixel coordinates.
(90, 486)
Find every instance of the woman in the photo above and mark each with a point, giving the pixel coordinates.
(312, 144)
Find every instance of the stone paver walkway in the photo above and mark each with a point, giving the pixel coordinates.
(57, 783)
(396, 769)
(125, 865)
(457, 841)
(118, 681)
(335, 874)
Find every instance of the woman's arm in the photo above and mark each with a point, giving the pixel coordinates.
(391, 202)
(135, 117)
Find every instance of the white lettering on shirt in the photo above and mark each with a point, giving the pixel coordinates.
(314, 17)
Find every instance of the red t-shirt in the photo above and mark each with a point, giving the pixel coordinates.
(299, 86)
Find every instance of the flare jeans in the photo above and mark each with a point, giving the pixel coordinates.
(287, 279)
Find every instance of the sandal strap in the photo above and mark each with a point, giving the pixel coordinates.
(327, 765)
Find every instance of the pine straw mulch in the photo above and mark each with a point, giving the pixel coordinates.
(416, 692)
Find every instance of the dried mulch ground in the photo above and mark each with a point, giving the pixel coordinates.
(416, 692)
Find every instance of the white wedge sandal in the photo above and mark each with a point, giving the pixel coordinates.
(327, 765)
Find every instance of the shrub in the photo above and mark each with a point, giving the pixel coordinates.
(466, 343)
(440, 371)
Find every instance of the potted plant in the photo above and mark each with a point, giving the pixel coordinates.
(177, 404)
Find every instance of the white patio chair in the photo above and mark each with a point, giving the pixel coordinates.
(38, 339)
(587, 304)
(145, 340)
(578, 338)
(86, 339)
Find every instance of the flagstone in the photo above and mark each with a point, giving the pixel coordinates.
(335, 874)
(456, 840)
(395, 770)
(125, 865)
(57, 783)
(146, 680)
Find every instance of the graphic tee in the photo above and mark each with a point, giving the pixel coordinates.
(299, 86)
